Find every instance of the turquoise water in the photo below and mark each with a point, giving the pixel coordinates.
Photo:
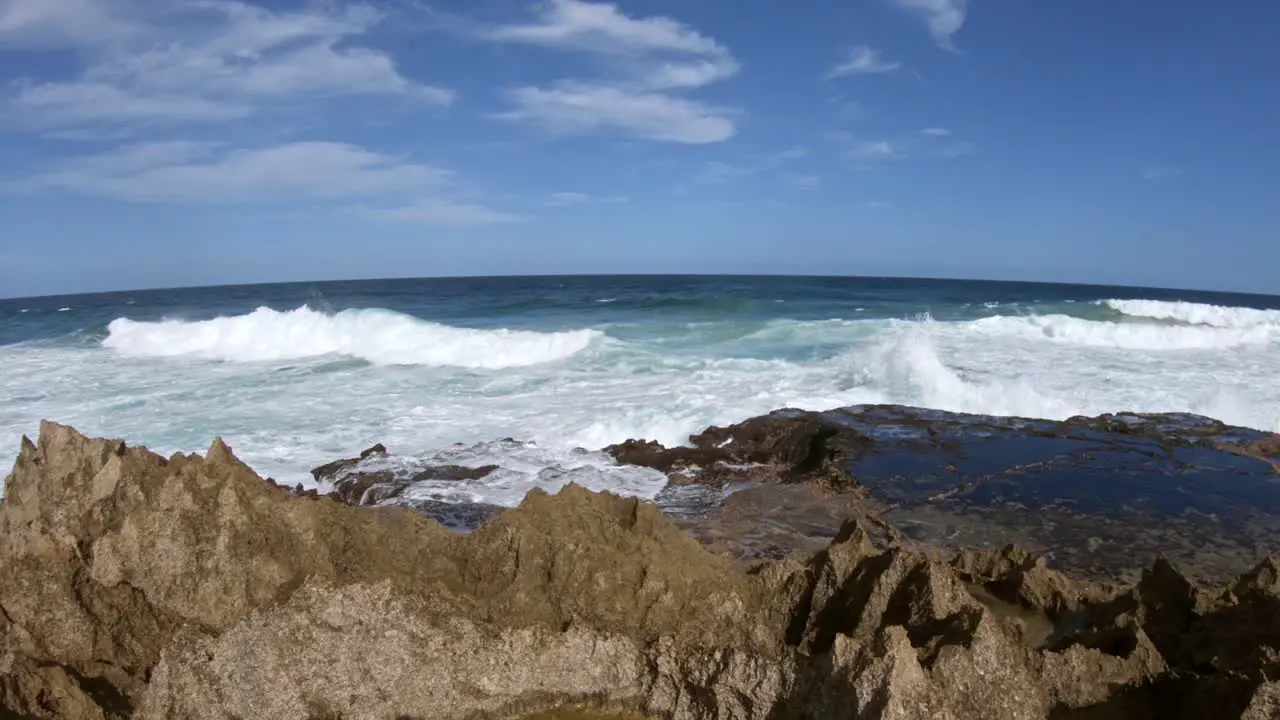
(295, 375)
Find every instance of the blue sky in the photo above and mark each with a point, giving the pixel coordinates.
(148, 144)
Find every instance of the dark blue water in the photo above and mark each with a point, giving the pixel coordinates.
(549, 303)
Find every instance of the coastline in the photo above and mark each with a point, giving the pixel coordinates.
(190, 586)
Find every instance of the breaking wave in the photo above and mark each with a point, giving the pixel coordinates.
(380, 337)
(1127, 336)
(1190, 313)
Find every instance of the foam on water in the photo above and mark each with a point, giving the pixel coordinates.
(381, 337)
(523, 466)
(292, 390)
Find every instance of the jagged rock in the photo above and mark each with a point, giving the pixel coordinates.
(188, 587)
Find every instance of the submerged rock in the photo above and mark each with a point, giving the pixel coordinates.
(188, 587)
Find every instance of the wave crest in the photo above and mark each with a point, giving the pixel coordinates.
(1219, 316)
(1125, 336)
(380, 337)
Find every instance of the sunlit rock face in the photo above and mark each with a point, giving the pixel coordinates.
(189, 587)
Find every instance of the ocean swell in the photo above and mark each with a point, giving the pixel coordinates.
(380, 337)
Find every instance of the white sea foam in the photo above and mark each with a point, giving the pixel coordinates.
(1197, 313)
(380, 337)
(285, 406)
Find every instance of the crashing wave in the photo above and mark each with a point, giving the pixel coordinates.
(380, 337)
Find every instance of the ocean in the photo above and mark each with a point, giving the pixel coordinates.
(537, 374)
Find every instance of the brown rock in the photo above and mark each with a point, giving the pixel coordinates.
(187, 587)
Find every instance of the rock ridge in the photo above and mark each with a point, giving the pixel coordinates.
(140, 586)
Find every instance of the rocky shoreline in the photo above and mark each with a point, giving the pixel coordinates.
(1100, 497)
(866, 563)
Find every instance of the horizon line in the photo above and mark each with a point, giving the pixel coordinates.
(512, 276)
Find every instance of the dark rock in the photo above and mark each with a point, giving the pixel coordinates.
(354, 484)
(331, 470)
(453, 472)
(1100, 497)
(772, 448)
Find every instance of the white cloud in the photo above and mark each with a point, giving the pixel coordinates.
(652, 58)
(212, 173)
(936, 132)
(211, 60)
(862, 60)
(944, 17)
(601, 28)
(577, 108)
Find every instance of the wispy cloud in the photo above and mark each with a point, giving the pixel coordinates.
(565, 199)
(574, 108)
(936, 132)
(215, 173)
(805, 182)
(869, 152)
(212, 173)
(206, 61)
(875, 150)
(443, 212)
(944, 18)
(1160, 172)
(795, 152)
(61, 24)
(652, 59)
(568, 199)
(862, 60)
(717, 172)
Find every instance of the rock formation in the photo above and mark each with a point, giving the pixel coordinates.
(1104, 496)
(138, 586)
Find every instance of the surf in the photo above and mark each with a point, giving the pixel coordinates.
(379, 337)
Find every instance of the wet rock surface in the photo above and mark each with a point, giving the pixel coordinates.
(366, 480)
(1102, 497)
(138, 586)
